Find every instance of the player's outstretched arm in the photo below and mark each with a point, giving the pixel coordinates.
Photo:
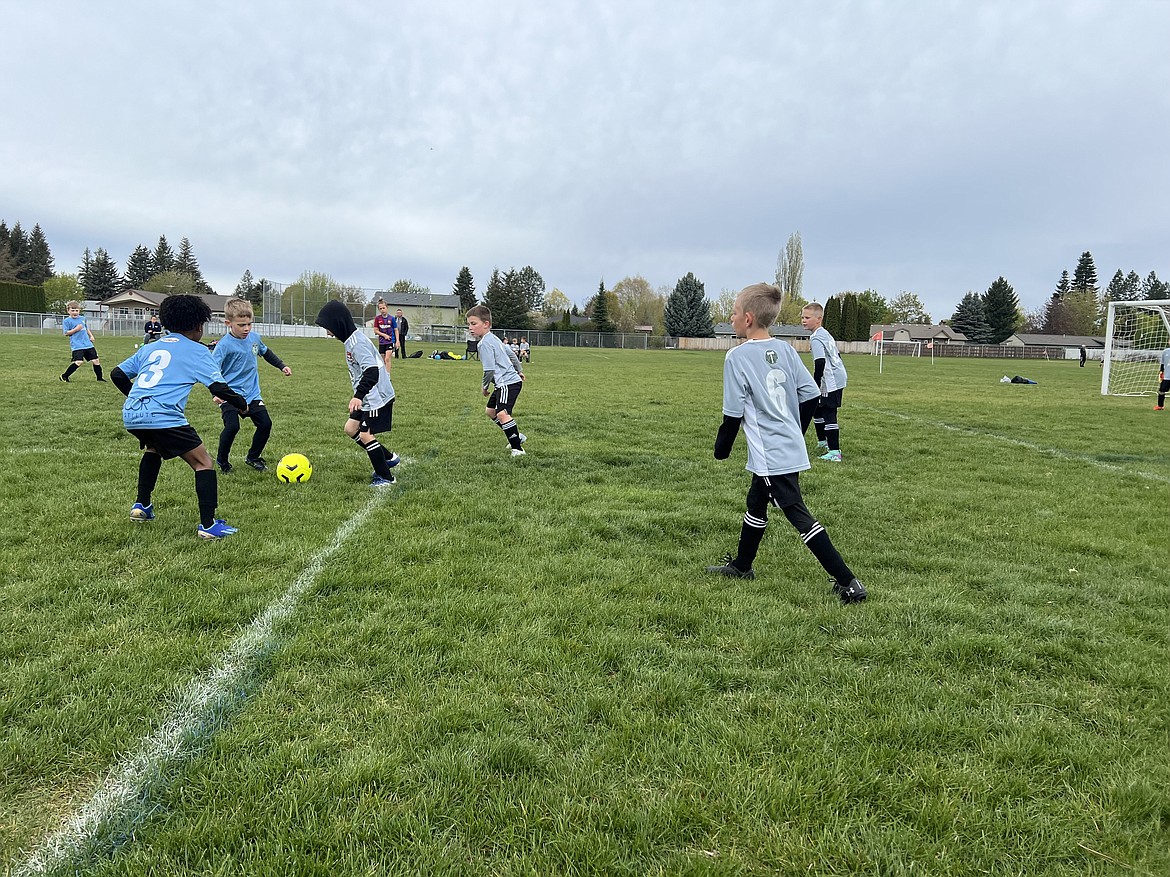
(119, 379)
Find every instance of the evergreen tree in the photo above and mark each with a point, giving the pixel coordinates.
(4, 233)
(261, 289)
(601, 320)
(83, 272)
(101, 278)
(163, 258)
(506, 302)
(1001, 309)
(1133, 286)
(139, 268)
(831, 319)
(186, 263)
(970, 319)
(848, 317)
(464, 288)
(40, 259)
(1115, 291)
(1085, 274)
(1062, 287)
(1153, 289)
(245, 286)
(18, 252)
(687, 314)
(531, 286)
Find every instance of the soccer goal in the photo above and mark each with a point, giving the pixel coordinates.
(1136, 333)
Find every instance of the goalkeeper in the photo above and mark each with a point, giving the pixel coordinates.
(1163, 383)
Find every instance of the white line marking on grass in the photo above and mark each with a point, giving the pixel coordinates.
(1020, 443)
(122, 796)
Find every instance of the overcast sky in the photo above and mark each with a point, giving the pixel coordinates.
(925, 146)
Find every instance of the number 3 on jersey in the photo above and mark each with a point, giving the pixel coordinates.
(156, 363)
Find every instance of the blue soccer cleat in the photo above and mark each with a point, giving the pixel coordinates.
(379, 481)
(217, 530)
(141, 514)
(392, 459)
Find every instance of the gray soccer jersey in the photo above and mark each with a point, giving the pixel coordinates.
(497, 362)
(1166, 361)
(764, 382)
(360, 354)
(824, 347)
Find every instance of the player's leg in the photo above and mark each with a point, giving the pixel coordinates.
(785, 494)
(1163, 389)
(832, 434)
(819, 425)
(148, 468)
(231, 428)
(75, 363)
(358, 429)
(263, 422)
(506, 399)
(92, 356)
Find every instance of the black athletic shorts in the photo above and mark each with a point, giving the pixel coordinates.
(174, 441)
(381, 420)
(503, 398)
(780, 491)
(86, 353)
(831, 400)
(382, 348)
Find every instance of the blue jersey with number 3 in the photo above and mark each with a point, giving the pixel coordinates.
(163, 374)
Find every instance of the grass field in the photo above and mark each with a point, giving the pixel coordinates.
(518, 666)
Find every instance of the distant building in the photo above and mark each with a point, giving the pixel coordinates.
(137, 304)
(421, 309)
(938, 333)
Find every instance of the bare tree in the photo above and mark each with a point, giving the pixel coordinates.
(790, 279)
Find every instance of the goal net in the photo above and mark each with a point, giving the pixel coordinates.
(1136, 333)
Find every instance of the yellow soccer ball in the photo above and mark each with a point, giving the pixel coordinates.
(294, 469)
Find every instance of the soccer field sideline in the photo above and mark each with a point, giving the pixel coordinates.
(120, 801)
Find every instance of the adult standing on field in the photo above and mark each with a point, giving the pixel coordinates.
(403, 326)
(1084, 355)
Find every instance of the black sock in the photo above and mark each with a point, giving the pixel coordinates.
(512, 431)
(148, 469)
(819, 425)
(751, 534)
(72, 368)
(833, 437)
(378, 458)
(821, 546)
(97, 370)
(207, 489)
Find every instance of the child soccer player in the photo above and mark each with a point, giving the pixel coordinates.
(371, 410)
(157, 382)
(502, 368)
(829, 374)
(1163, 383)
(525, 350)
(384, 326)
(767, 389)
(236, 353)
(81, 348)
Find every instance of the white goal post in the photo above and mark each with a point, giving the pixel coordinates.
(1136, 333)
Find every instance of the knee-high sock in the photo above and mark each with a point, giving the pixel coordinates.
(819, 426)
(72, 368)
(97, 370)
(148, 469)
(833, 436)
(377, 455)
(750, 536)
(207, 489)
(511, 432)
(821, 546)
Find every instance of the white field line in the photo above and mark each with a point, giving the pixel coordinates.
(125, 788)
(1020, 443)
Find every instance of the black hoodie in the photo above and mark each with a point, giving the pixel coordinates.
(336, 318)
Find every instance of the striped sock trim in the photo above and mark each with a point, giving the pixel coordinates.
(813, 533)
(752, 521)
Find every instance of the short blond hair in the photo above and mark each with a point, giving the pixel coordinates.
(762, 301)
(72, 303)
(237, 307)
(815, 307)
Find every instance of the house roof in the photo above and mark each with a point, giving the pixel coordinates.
(782, 331)
(918, 331)
(1037, 339)
(153, 299)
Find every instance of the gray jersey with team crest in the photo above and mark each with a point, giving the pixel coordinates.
(764, 382)
(360, 354)
(824, 347)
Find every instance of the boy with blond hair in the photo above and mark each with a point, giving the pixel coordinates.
(829, 375)
(81, 346)
(768, 391)
(502, 368)
(236, 354)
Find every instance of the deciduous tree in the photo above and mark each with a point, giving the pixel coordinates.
(907, 308)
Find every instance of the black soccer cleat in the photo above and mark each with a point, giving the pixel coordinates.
(729, 569)
(63, 379)
(853, 592)
(258, 464)
(224, 468)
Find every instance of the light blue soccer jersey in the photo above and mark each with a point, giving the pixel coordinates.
(497, 361)
(361, 354)
(163, 374)
(78, 340)
(236, 358)
(824, 347)
(764, 382)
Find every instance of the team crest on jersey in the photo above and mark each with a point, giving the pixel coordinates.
(255, 349)
(771, 357)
